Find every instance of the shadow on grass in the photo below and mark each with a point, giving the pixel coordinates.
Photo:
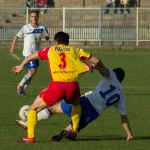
(100, 138)
(96, 138)
(110, 138)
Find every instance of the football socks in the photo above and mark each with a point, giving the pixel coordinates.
(32, 121)
(75, 117)
(26, 78)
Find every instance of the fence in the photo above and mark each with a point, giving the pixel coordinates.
(86, 26)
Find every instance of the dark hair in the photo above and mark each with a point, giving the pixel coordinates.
(120, 74)
(62, 38)
(34, 11)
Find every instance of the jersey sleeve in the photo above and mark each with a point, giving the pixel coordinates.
(83, 54)
(120, 107)
(43, 54)
(20, 34)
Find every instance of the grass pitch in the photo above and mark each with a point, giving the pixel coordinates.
(106, 132)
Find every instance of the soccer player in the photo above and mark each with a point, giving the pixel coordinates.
(32, 34)
(107, 93)
(65, 66)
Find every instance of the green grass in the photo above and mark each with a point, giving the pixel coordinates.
(106, 132)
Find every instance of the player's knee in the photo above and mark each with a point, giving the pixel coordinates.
(37, 105)
(32, 71)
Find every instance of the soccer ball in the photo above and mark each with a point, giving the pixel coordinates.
(23, 112)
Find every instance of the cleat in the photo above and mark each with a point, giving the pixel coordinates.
(59, 137)
(21, 123)
(20, 91)
(72, 136)
(26, 140)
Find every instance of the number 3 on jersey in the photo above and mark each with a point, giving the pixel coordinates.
(110, 100)
(63, 61)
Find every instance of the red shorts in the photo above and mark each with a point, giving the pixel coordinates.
(56, 91)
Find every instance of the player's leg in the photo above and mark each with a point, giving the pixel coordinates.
(72, 97)
(32, 67)
(25, 81)
(37, 105)
(75, 116)
(48, 97)
(71, 93)
(88, 115)
(41, 115)
(66, 109)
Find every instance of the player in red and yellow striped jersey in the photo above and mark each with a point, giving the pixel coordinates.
(65, 68)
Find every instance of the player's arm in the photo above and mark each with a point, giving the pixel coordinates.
(46, 34)
(102, 70)
(126, 126)
(19, 68)
(13, 44)
(46, 37)
(95, 60)
(98, 64)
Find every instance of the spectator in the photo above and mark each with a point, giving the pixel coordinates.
(109, 4)
(138, 3)
(51, 3)
(42, 4)
(29, 3)
(124, 4)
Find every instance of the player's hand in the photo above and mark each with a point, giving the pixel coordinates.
(129, 138)
(91, 67)
(17, 69)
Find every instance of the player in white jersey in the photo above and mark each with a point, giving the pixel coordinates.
(32, 34)
(107, 93)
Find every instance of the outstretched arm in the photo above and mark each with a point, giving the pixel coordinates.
(126, 126)
(19, 68)
(98, 64)
(13, 44)
(103, 70)
(95, 60)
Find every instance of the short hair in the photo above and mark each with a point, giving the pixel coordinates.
(62, 38)
(120, 73)
(34, 11)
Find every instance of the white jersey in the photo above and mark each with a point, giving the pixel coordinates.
(110, 1)
(107, 93)
(32, 38)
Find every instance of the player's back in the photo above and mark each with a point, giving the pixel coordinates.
(65, 63)
(107, 93)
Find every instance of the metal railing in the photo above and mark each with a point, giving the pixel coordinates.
(91, 26)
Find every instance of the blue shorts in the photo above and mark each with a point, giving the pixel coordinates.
(88, 113)
(32, 64)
